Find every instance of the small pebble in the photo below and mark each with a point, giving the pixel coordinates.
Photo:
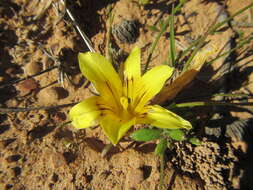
(11, 103)
(56, 160)
(48, 96)
(32, 68)
(10, 71)
(26, 86)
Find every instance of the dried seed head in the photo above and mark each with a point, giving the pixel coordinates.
(127, 31)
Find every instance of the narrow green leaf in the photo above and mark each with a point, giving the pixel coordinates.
(195, 141)
(201, 41)
(161, 24)
(172, 39)
(161, 147)
(146, 134)
(239, 45)
(153, 28)
(240, 34)
(143, 2)
(208, 103)
(177, 134)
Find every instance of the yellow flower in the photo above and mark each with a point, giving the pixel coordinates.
(123, 101)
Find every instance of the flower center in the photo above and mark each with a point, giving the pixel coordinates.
(126, 111)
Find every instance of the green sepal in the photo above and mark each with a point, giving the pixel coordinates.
(153, 28)
(195, 141)
(146, 134)
(143, 2)
(177, 134)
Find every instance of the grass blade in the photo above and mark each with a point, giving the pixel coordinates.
(200, 42)
(241, 44)
(162, 30)
(172, 39)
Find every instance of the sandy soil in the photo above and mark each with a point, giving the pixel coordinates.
(36, 152)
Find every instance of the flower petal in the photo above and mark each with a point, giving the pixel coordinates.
(151, 83)
(101, 73)
(85, 113)
(133, 64)
(132, 73)
(163, 118)
(114, 128)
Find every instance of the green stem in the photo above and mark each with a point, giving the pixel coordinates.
(200, 103)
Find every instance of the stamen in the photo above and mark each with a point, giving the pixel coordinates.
(124, 102)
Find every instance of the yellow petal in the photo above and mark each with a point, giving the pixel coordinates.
(163, 118)
(85, 113)
(114, 128)
(101, 73)
(151, 83)
(133, 64)
(132, 73)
